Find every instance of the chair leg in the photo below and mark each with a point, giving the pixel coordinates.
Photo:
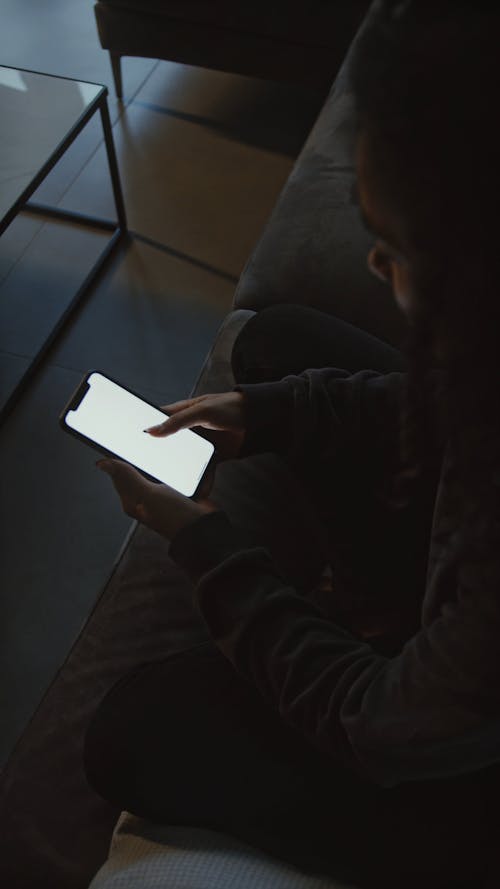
(117, 73)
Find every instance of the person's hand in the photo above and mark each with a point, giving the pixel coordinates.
(221, 416)
(158, 506)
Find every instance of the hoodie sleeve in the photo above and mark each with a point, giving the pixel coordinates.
(430, 712)
(322, 413)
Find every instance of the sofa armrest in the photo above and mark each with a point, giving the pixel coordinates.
(216, 374)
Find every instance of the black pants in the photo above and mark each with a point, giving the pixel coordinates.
(187, 741)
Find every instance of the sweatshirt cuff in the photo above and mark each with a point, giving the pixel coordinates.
(268, 413)
(205, 543)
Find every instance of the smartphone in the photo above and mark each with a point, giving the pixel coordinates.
(112, 419)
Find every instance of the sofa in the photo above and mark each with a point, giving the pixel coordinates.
(295, 42)
(312, 251)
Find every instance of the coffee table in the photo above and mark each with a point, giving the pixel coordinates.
(41, 116)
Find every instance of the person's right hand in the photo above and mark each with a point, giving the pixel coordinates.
(221, 415)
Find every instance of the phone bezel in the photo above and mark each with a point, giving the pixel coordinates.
(77, 397)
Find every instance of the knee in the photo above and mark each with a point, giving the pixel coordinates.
(256, 355)
(104, 763)
(109, 748)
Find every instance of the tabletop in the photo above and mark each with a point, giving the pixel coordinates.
(37, 112)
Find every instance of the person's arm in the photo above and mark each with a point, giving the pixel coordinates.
(323, 413)
(431, 711)
(318, 414)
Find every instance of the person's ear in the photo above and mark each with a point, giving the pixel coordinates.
(379, 264)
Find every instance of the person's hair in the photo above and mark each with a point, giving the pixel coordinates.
(426, 80)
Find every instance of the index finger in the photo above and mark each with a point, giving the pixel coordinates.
(177, 406)
(184, 419)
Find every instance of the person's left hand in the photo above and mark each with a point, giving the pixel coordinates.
(156, 505)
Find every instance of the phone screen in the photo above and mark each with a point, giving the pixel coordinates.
(115, 419)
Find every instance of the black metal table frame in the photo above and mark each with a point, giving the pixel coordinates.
(119, 228)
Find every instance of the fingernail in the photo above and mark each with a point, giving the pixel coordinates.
(151, 428)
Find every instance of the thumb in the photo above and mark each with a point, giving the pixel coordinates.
(120, 471)
(142, 513)
(107, 465)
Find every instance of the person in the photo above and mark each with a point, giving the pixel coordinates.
(356, 733)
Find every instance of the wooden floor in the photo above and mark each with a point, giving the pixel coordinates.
(203, 156)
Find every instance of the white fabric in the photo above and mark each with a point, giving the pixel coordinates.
(144, 855)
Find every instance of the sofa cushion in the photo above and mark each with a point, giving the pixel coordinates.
(144, 855)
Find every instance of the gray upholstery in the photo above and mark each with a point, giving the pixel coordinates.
(150, 856)
(215, 375)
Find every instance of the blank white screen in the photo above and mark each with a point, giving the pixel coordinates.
(115, 419)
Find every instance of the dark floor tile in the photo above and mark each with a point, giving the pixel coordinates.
(60, 37)
(149, 323)
(62, 528)
(52, 190)
(12, 368)
(273, 116)
(38, 290)
(15, 240)
(187, 186)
